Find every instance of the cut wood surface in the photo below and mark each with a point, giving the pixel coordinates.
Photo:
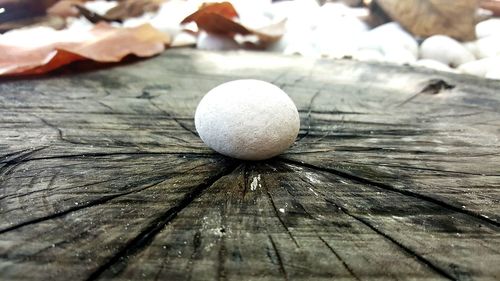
(395, 175)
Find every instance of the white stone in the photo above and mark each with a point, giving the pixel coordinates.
(488, 46)
(100, 7)
(471, 46)
(388, 37)
(480, 67)
(446, 50)
(434, 64)
(493, 73)
(336, 33)
(488, 27)
(396, 54)
(208, 41)
(368, 55)
(247, 119)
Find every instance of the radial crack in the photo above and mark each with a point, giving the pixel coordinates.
(423, 197)
(146, 236)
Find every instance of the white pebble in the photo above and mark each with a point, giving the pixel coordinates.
(208, 41)
(480, 67)
(446, 50)
(488, 46)
(368, 55)
(388, 37)
(100, 7)
(493, 74)
(247, 119)
(487, 28)
(433, 64)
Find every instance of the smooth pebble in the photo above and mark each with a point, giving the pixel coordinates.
(480, 67)
(446, 50)
(247, 119)
(488, 27)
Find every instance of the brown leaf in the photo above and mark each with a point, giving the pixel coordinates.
(220, 18)
(90, 15)
(132, 8)
(23, 9)
(65, 8)
(102, 44)
(492, 5)
(224, 9)
(429, 17)
(49, 21)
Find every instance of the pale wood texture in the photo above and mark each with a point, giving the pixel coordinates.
(395, 175)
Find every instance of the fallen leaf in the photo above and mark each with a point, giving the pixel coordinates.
(430, 17)
(103, 43)
(90, 15)
(492, 5)
(132, 8)
(65, 8)
(22, 9)
(49, 21)
(221, 19)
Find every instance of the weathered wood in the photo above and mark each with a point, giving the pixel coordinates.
(395, 175)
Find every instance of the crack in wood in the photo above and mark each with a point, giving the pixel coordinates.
(11, 164)
(419, 196)
(405, 249)
(89, 204)
(157, 180)
(309, 117)
(432, 87)
(146, 236)
(346, 266)
(279, 258)
(424, 169)
(106, 154)
(280, 219)
(173, 118)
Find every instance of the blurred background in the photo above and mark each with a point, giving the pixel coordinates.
(461, 36)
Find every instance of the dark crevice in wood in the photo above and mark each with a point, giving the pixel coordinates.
(407, 250)
(50, 185)
(336, 112)
(174, 119)
(423, 197)
(245, 181)
(146, 236)
(222, 254)
(275, 209)
(11, 164)
(93, 203)
(59, 131)
(157, 180)
(309, 117)
(93, 154)
(278, 257)
(347, 267)
(423, 169)
(433, 87)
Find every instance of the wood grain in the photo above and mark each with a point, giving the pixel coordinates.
(395, 175)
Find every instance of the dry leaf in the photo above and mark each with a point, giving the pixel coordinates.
(102, 44)
(50, 21)
(430, 17)
(220, 18)
(492, 5)
(90, 15)
(23, 9)
(132, 8)
(65, 8)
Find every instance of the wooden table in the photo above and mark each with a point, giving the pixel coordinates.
(395, 175)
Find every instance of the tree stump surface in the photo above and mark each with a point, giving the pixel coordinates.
(395, 175)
